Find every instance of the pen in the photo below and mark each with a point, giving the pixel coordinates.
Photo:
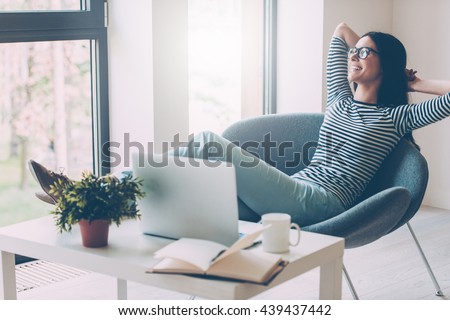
(254, 244)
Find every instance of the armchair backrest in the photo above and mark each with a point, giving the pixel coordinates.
(287, 141)
(405, 167)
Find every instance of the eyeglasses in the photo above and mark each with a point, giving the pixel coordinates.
(362, 52)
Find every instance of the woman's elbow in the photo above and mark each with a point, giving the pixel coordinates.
(340, 29)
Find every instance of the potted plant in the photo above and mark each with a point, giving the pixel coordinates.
(96, 202)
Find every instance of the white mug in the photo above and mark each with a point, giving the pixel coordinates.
(276, 238)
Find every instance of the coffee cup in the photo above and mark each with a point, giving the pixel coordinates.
(276, 238)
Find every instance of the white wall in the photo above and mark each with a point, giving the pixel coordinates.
(170, 71)
(424, 28)
(148, 73)
(131, 70)
(361, 15)
(299, 57)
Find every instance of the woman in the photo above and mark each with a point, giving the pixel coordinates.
(366, 124)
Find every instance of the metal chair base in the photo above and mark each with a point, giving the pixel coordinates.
(438, 292)
(425, 261)
(350, 284)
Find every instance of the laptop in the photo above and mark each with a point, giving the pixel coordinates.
(187, 197)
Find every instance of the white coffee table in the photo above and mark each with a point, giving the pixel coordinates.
(130, 253)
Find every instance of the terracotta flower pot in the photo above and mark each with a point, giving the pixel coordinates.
(95, 233)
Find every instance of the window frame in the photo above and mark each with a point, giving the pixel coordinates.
(270, 57)
(54, 20)
(87, 24)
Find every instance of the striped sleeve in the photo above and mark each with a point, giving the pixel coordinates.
(338, 87)
(414, 116)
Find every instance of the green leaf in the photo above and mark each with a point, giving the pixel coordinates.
(95, 198)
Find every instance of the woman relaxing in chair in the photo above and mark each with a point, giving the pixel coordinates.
(366, 125)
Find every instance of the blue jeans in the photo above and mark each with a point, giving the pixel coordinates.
(262, 188)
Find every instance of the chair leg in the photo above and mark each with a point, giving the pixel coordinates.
(350, 284)
(425, 261)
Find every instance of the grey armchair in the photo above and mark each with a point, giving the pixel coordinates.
(287, 142)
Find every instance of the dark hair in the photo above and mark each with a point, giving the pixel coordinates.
(393, 90)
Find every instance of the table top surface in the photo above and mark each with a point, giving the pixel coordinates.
(130, 252)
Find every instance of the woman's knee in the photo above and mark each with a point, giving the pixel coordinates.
(207, 136)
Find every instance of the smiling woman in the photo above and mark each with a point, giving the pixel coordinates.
(364, 71)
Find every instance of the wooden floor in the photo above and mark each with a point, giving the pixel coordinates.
(387, 269)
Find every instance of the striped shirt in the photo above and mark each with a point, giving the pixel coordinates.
(356, 137)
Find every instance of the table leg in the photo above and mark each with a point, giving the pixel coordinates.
(122, 289)
(7, 276)
(331, 280)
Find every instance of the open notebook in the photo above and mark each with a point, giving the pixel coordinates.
(202, 257)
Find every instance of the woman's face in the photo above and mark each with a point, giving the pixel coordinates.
(365, 72)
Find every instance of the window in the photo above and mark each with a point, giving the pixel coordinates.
(225, 62)
(53, 95)
(214, 64)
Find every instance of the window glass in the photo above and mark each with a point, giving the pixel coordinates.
(45, 114)
(214, 64)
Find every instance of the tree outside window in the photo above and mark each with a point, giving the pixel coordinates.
(49, 102)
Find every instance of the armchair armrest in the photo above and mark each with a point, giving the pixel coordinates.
(285, 141)
(368, 220)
